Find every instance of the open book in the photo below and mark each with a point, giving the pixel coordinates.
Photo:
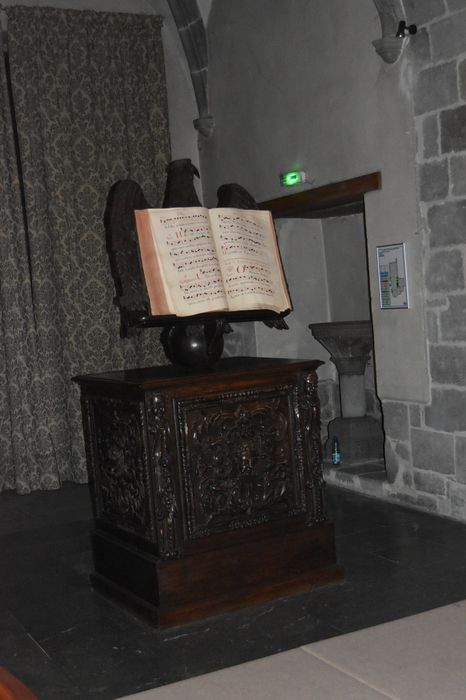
(197, 260)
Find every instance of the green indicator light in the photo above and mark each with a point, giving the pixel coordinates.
(293, 177)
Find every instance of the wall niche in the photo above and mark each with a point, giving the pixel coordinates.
(323, 242)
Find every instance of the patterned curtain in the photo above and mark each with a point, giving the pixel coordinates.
(90, 102)
(24, 437)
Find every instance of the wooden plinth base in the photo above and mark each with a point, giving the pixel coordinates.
(173, 592)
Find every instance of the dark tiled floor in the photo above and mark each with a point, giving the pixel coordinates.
(65, 641)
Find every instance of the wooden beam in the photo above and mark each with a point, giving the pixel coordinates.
(336, 199)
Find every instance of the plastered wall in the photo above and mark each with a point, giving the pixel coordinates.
(299, 85)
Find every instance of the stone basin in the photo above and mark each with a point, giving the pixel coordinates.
(348, 342)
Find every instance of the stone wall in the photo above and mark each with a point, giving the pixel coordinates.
(426, 444)
(425, 448)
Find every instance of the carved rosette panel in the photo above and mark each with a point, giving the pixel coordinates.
(309, 409)
(120, 479)
(239, 459)
(166, 510)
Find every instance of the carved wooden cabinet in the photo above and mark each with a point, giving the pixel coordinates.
(207, 487)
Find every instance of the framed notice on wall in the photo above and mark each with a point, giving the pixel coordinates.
(391, 270)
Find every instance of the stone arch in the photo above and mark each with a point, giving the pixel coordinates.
(390, 13)
(193, 37)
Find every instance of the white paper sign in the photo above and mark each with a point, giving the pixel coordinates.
(393, 283)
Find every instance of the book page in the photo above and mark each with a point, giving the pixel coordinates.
(249, 259)
(159, 298)
(188, 259)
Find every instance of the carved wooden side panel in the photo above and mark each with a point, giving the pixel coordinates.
(118, 464)
(241, 463)
(309, 408)
(88, 432)
(162, 459)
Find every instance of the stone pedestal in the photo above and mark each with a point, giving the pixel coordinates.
(349, 343)
(352, 395)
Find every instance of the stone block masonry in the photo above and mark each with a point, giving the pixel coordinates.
(454, 5)
(429, 482)
(448, 365)
(453, 320)
(425, 445)
(396, 422)
(462, 78)
(460, 459)
(445, 272)
(433, 451)
(434, 180)
(453, 129)
(430, 136)
(448, 36)
(437, 436)
(458, 175)
(447, 410)
(437, 86)
(447, 223)
(422, 11)
(432, 327)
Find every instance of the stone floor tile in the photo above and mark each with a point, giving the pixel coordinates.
(289, 675)
(398, 562)
(417, 657)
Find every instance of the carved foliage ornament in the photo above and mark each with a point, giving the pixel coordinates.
(236, 465)
(166, 511)
(121, 481)
(309, 410)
